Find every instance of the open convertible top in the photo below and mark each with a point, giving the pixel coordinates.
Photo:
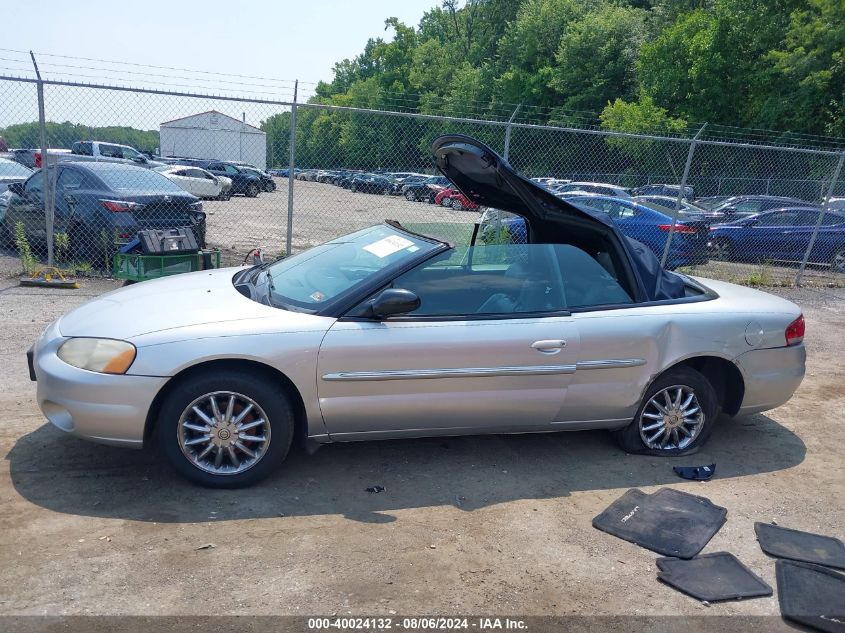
(487, 179)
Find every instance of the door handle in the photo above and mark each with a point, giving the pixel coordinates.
(549, 346)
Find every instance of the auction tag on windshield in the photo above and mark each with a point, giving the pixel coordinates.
(388, 246)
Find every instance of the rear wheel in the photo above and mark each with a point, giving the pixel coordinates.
(251, 190)
(675, 417)
(722, 249)
(84, 245)
(353, 188)
(446, 202)
(410, 196)
(225, 429)
(5, 236)
(457, 205)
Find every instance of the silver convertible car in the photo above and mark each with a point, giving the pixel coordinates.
(387, 333)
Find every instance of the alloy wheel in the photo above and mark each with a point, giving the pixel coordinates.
(223, 433)
(672, 419)
(838, 263)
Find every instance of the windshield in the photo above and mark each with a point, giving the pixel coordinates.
(137, 178)
(315, 277)
(14, 169)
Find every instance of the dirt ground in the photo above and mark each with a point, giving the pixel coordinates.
(497, 524)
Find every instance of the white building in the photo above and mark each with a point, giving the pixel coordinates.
(213, 134)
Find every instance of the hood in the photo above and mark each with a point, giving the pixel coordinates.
(200, 298)
(488, 180)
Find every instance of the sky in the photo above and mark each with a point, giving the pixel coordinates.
(270, 42)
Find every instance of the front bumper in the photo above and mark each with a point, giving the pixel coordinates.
(104, 408)
(771, 376)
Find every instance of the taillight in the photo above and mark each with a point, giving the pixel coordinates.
(196, 206)
(679, 228)
(38, 159)
(795, 331)
(120, 206)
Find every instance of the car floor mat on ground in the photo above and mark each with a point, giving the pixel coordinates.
(712, 577)
(669, 522)
(784, 542)
(811, 595)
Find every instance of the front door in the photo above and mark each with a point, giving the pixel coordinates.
(491, 348)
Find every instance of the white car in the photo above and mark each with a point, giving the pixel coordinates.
(198, 181)
(601, 188)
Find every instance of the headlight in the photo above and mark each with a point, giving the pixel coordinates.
(103, 355)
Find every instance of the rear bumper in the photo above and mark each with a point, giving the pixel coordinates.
(771, 376)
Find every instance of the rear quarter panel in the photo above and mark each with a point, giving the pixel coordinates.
(663, 336)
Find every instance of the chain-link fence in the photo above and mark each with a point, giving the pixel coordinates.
(238, 174)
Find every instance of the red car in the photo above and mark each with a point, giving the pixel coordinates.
(455, 199)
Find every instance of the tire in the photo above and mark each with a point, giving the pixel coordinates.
(634, 437)
(837, 262)
(251, 190)
(354, 188)
(410, 196)
(268, 404)
(722, 250)
(457, 205)
(446, 202)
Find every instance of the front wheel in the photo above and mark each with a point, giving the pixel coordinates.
(721, 250)
(410, 196)
(675, 416)
(457, 205)
(225, 429)
(252, 190)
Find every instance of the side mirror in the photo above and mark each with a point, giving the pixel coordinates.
(16, 188)
(139, 159)
(390, 302)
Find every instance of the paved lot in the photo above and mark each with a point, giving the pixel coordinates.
(467, 525)
(321, 212)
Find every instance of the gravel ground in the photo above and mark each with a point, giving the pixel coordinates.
(497, 524)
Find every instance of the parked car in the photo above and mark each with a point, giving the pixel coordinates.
(455, 199)
(11, 171)
(198, 181)
(746, 205)
(578, 329)
(668, 203)
(600, 188)
(281, 173)
(96, 197)
(837, 204)
(267, 182)
(646, 224)
(782, 235)
(110, 152)
(243, 180)
(372, 183)
(426, 190)
(664, 190)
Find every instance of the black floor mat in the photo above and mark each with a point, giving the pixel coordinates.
(712, 577)
(811, 595)
(669, 522)
(804, 546)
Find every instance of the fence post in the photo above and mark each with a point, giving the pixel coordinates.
(508, 132)
(820, 219)
(48, 189)
(680, 196)
(291, 163)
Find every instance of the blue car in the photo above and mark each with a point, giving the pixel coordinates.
(782, 235)
(642, 223)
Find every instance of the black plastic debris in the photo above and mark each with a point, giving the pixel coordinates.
(811, 595)
(695, 473)
(375, 489)
(783, 542)
(669, 522)
(712, 577)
